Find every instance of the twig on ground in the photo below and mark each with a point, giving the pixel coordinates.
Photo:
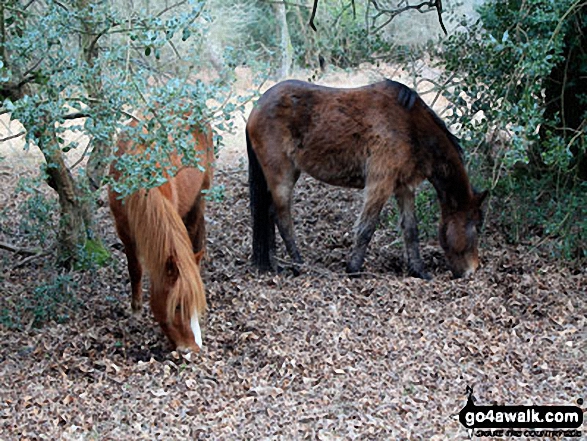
(18, 250)
(29, 259)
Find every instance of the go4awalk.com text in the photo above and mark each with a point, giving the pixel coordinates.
(521, 421)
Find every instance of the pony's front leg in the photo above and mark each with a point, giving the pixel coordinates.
(376, 194)
(196, 225)
(409, 224)
(135, 272)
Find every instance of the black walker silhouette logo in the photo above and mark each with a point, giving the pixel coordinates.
(520, 420)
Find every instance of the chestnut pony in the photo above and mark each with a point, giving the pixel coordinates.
(163, 230)
(382, 138)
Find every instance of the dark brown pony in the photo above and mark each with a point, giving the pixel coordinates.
(380, 137)
(163, 230)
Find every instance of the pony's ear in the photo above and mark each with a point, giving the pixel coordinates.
(198, 256)
(481, 196)
(171, 269)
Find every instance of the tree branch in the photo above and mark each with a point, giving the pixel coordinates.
(28, 4)
(313, 15)
(287, 3)
(31, 258)
(392, 13)
(438, 5)
(14, 249)
(169, 8)
(8, 138)
(76, 115)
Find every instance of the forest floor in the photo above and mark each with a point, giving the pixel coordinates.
(317, 356)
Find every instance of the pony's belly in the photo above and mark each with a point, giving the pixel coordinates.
(340, 177)
(341, 163)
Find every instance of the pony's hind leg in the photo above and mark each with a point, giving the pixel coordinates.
(376, 194)
(282, 201)
(409, 224)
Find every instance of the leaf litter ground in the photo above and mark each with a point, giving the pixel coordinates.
(318, 356)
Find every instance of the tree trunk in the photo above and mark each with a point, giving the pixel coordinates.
(310, 57)
(74, 209)
(90, 45)
(285, 40)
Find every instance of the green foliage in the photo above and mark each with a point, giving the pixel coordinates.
(216, 193)
(50, 301)
(532, 208)
(140, 67)
(500, 73)
(502, 63)
(80, 70)
(167, 130)
(343, 36)
(87, 68)
(36, 212)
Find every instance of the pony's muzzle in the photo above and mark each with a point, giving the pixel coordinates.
(187, 349)
(467, 271)
(196, 344)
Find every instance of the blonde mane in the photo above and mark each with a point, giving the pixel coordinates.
(160, 235)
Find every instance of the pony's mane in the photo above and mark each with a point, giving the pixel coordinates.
(160, 234)
(454, 141)
(407, 98)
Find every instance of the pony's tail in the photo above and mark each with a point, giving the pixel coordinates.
(166, 251)
(261, 211)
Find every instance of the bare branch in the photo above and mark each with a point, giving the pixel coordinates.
(8, 138)
(426, 6)
(18, 250)
(32, 68)
(439, 11)
(313, 15)
(168, 8)
(76, 115)
(31, 258)
(28, 4)
(422, 7)
(299, 5)
(83, 155)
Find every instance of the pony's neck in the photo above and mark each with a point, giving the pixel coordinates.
(451, 182)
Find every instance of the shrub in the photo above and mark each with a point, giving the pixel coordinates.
(517, 83)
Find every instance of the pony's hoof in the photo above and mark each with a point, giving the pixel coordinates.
(136, 310)
(420, 275)
(296, 269)
(425, 276)
(264, 267)
(353, 272)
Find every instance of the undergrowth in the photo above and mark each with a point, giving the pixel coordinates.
(53, 300)
(553, 220)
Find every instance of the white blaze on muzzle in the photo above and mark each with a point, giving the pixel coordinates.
(195, 325)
